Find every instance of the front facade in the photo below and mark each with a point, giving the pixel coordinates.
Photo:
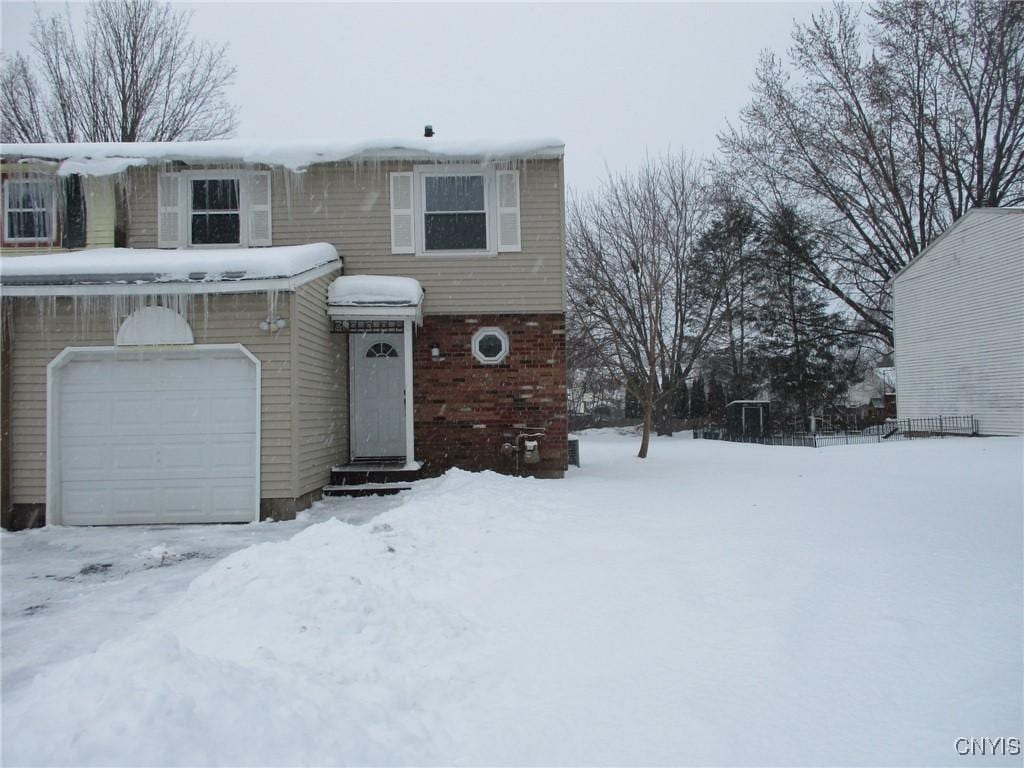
(441, 345)
(959, 324)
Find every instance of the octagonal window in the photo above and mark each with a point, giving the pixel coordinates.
(490, 345)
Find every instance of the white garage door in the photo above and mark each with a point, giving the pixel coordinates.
(157, 437)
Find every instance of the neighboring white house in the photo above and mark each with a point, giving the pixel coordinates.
(959, 324)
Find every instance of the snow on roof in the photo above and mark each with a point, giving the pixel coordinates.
(103, 159)
(106, 266)
(877, 383)
(374, 290)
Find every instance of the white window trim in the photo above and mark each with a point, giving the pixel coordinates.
(420, 172)
(489, 332)
(52, 209)
(243, 207)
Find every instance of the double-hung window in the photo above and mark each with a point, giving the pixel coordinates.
(216, 213)
(210, 208)
(455, 210)
(29, 210)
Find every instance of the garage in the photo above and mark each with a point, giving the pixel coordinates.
(150, 435)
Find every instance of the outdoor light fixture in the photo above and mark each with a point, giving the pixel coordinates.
(273, 324)
(435, 350)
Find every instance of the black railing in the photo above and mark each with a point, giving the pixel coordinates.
(898, 429)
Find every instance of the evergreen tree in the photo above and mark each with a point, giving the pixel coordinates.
(681, 406)
(716, 400)
(800, 340)
(731, 243)
(698, 401)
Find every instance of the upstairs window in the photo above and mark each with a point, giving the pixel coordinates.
(29, 211)
(210, 208)
(216, 212)
(455, 210)
(454, 213)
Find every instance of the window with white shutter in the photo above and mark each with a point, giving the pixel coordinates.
(460, 210)
(509, 235)
(211, 208)
(403, 236)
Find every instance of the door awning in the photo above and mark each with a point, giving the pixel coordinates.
(375, 299)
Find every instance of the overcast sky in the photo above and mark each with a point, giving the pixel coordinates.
(613, 81)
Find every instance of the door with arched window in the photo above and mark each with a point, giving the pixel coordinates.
(378, 396)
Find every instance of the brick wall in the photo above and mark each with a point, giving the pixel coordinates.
(466, 410)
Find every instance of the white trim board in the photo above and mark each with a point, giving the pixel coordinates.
(367, 312)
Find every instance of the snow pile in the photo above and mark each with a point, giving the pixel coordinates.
(304, 652)
(714, 604)
(100, 159)
(138, 265)
(364, 290)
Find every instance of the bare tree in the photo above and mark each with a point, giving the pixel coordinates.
(638, 292)
(136, 74)
(21, 110)
(885, 149)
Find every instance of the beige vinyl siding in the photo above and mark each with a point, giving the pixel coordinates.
(100, 214)
(959, 325)
(320, 384)
(44, 327)
(348, 206)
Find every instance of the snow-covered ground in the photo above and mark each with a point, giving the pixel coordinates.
(716, 604)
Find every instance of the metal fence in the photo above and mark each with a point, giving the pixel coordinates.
(898, 429)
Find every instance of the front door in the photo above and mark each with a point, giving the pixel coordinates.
(378, 395)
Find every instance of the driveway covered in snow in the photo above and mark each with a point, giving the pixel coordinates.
(715, 604)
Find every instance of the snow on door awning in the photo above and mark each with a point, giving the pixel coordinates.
(355, 301)
(193, 270)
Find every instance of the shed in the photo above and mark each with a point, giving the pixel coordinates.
(959, 324)
(748, 418)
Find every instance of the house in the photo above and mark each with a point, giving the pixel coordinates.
(280, 320)
(959, 324)
(873, 399)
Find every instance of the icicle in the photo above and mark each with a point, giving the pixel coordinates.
(206, 315)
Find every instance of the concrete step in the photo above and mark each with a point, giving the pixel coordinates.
(363, 473)
(366, 489)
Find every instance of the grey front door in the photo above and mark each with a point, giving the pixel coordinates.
(378, 395)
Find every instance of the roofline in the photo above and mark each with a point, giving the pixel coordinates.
(250, 285)
(120, 156)
(950, 228)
